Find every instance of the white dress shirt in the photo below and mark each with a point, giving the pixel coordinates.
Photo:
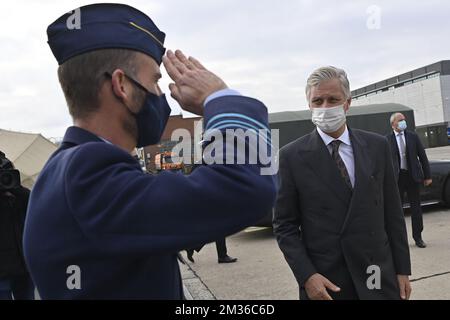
(403, 161)
(221, 93)
(345, 151)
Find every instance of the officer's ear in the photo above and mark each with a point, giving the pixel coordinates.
(121, 88)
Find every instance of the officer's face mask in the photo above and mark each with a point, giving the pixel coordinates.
(329, 119)
(402, 125)
(152, 116)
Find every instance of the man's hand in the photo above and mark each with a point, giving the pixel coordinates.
(316, 287)
(193, 83)
(405, 286)
(427, 182)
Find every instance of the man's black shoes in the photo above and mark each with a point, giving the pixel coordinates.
(227, 259)
(421, 244)
(190, 254)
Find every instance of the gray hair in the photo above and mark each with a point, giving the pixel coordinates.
(393, 116)
(328, 73)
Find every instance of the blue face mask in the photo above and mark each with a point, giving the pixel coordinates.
(152, 118)
(402, 125)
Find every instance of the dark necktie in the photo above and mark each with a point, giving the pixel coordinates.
(340, 163)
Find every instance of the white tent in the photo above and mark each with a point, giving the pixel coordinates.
(28, 152)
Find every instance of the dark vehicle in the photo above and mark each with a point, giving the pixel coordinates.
(438, 192)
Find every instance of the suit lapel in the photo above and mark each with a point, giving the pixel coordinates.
(316, 155)
(395, 147)
(407, 147)
(363, 171)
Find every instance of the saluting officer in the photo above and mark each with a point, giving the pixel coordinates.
(97, 226)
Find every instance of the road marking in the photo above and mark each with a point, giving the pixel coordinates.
(431, 276)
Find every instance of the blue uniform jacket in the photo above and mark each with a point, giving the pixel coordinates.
(92, 207)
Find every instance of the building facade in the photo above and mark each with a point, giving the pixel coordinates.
(426, 90)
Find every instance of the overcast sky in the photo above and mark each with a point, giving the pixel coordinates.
(264, 49)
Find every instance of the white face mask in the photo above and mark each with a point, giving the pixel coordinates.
(329, 119)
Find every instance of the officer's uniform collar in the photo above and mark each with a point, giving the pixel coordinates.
(77, 135)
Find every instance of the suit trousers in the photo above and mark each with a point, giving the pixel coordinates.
(221, 247)
(407, 184)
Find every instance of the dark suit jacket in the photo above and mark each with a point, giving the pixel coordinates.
(92, 206)
(416, 157)
(321, 226)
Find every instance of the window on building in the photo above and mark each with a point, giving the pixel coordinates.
(419, 79)
(434, 75)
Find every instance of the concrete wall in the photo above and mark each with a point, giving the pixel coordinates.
(424, 97)
(445, 89)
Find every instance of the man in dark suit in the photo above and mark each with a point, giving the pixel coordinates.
(411, 168)
(338, 215)
(97, 226)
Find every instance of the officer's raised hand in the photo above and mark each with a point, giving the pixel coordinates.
(193, 82)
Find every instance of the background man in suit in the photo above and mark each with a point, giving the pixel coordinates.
(221, 245)
(222, 252)
(411, 168)
(338, 212)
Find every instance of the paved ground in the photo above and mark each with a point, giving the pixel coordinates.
(262, 273)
